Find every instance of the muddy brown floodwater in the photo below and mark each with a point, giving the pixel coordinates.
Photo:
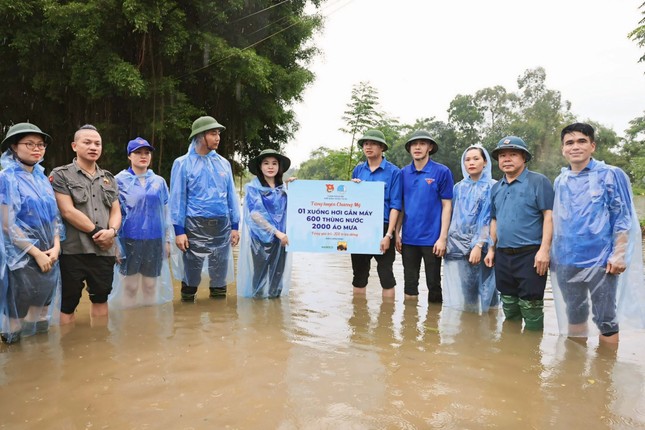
(317, 359)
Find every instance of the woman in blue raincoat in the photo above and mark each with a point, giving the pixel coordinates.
(470, 285)
(264, 266)
(142, 275)
(32, 234)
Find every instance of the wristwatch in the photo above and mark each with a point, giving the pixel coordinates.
(390, 235)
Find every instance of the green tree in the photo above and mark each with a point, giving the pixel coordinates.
(466, 117)
(638, 34)
(150, 67)
(362, 114)
(633, 153)
(444, 134)
(496, 105)
(539, 118)
(327, 164)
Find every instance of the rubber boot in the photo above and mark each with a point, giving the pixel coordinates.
(42, 326)
(9, 338)
(533, 314)
(511, 307)
(218, 293)
(188, 293)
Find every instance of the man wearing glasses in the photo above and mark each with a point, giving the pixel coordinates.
(87, 198)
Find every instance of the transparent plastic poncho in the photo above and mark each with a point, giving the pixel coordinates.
(264, 266)
(202, 192)
(595, 222)
(142, 273)
(30, 218)
(470, 287)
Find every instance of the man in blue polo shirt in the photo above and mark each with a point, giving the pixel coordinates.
(377, 169)
(521, 229)
(427, 205)
(595, 228)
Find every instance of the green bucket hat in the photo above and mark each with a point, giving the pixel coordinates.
(511, 142)
(375, 136)
(16, 131)
(422, 135)
(204, 123)
(254, 165)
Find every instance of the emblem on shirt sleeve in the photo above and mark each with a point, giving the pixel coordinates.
(106, 181)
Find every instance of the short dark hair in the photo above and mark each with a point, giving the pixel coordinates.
(580, 127)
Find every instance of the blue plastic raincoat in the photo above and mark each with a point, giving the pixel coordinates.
(30, 218)
(468, 287)
(203, 205)
(595, 222)
(142, 275)
(264, 266)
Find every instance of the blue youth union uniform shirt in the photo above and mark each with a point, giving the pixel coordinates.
(390, 175)
(423, 191)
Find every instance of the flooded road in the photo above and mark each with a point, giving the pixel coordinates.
(318, 359)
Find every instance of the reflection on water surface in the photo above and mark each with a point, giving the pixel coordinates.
(318, 359)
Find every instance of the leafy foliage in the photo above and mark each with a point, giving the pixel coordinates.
(638, 34)
(362, 114)
(533, 112)
(633, 152)
(325, 163)
(149, 68)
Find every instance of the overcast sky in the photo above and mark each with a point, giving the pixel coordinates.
(419, 54)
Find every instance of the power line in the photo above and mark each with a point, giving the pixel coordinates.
(258, 12)
(298, 21)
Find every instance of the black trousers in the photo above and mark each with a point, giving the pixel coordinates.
(384, 262)
(412, 256)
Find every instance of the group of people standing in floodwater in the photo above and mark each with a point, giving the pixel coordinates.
(116, 236)
(83, 228)
(498, 239)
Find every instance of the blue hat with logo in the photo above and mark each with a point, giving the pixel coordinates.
(511, 142)
(138, 143)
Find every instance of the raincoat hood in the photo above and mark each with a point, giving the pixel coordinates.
(487, 172)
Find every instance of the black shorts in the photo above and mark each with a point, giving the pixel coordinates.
(516, 276)
(76, 270)
(142, 256)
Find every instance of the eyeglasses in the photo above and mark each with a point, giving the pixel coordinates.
(33, 145)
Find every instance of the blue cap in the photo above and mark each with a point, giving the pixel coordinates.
(511, 142)
(137, 143)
